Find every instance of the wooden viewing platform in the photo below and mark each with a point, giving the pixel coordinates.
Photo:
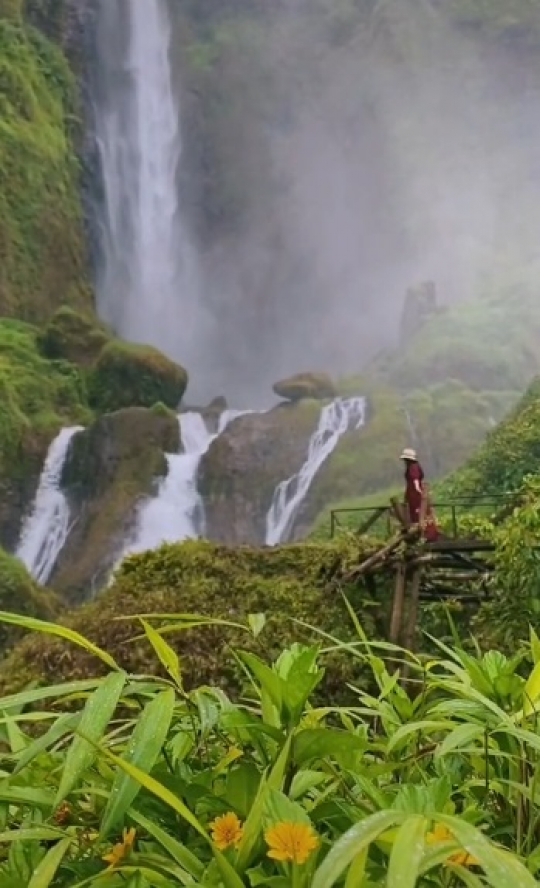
(452, 567)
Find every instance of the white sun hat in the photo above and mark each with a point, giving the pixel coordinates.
(409, 453)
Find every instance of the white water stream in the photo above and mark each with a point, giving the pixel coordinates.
(336, 419)
(177, 512)
(148, 281)
(46, 528)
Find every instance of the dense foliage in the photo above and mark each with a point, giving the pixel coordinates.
(428, 784)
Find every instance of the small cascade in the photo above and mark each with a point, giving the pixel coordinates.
(336, 419)
(46, 529)
(177, 512)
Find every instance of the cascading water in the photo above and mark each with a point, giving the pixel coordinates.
(177, 512)
(336, 419)
(46, 529)
(148, 275)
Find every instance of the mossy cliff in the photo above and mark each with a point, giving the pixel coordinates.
(286, 584)
(42, 244)
(51, 377)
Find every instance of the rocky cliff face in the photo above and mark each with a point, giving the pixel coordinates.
(111, 467)
(243, 466)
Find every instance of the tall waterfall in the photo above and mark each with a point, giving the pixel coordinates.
(177, 512)
(148, 281)
(336, 419)
(47, 526)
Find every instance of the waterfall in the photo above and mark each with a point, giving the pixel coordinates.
(148, 281)
(177, 512)
(336, 419)
(46, 528)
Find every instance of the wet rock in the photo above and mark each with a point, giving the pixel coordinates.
(126, 375)
(305, 385)
(110, 468)
(244, 465)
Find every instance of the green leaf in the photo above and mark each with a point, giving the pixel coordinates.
(407, 853)
(318, 743)
(416, 727)
(460, 736)
(167, 656)
(31, 834)
(25, 698)
(97, 713)
(531, 692)
(351, 844)
(535, 645)
(502, 869)
(279, 808)
(34, 625)
(177, 851)
(356, 871)
(265, 676)
(254, 824)
(142, 752)
(46, 869)
(25, 795)
(63, 725)
(256, 623)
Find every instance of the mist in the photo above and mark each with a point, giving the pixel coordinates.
(369, 146)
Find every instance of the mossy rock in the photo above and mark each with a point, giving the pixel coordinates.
(21, 595)
(110, 467)
(129, 375)
(305, 385)
(73, 336)
(286, 583)
(243, 466)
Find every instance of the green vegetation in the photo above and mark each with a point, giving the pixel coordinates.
(42, 252)
(287, 583)
(149, 783)
(20, 594)
(129, 375)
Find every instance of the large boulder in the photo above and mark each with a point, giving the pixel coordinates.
(243, 466)
(129, 375)
(110, 467)
(305, 385)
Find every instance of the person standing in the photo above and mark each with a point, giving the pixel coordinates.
(416, 494)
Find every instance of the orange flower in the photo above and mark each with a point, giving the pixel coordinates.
(121, 850)
(442, 834)
(292, 842)
(226, 831)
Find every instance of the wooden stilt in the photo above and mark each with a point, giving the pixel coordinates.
(409, 634)
(398, 603)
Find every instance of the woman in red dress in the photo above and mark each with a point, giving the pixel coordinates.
(415, 492)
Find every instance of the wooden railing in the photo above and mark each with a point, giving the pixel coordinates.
(370, 516)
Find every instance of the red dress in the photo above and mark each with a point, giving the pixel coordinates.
(413, 499)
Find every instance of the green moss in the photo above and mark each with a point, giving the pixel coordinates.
(73, 336)
(42, 256)
(20, 594)
(287, 584)
(128, 375)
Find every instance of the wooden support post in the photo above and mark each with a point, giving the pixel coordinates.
(409, 635)
(398, 603)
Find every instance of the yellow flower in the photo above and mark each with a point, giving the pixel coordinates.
(121, 850)
(226, 831)
(442, 834)
(292, 842)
